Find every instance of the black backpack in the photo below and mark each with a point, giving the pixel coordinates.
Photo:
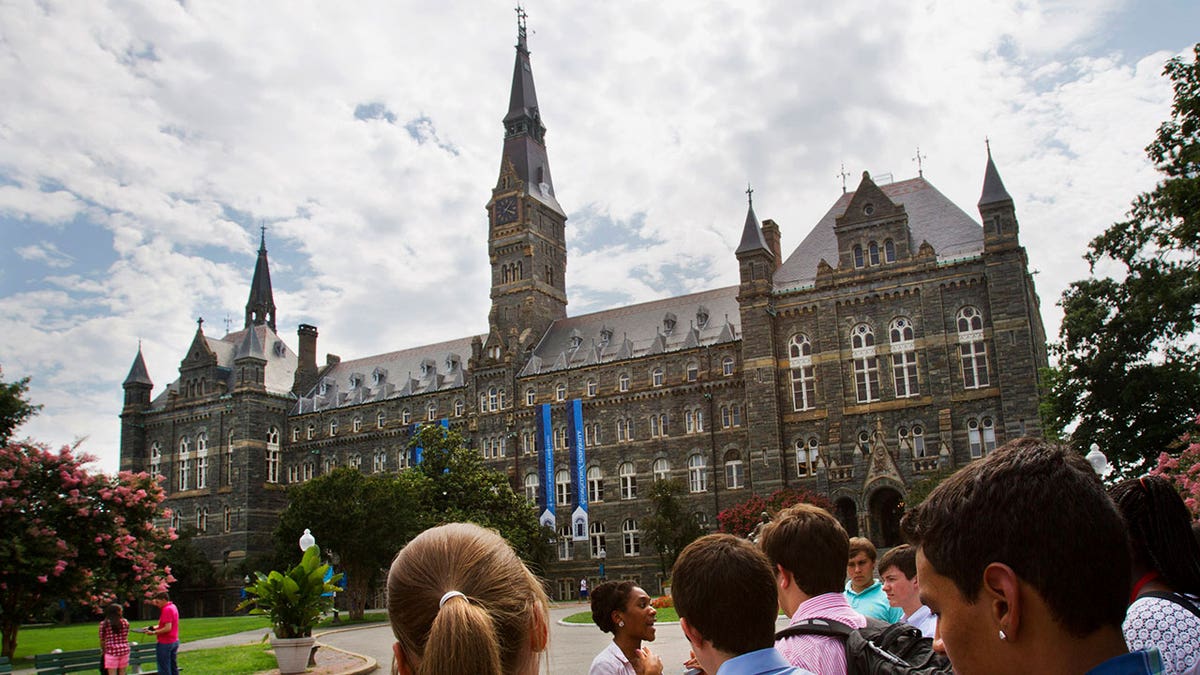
(879, 648)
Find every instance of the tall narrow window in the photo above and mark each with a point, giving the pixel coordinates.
(357, 424)
(804, 383)
(735, 476)
(631, 537)
(333, 427)
(155, 459)
(562, 486)
(628, 480)
(560, 392)
(693, 372)
(184, 465)
(227, 477)
(889, 251)
(530, 396)
(972, 349)
(656, 377)
(661, 469)
(806, 456)
(866, 363)
(697, 473)
(566, 544)
(873, 248)
(431, 411)
(531, 487)
(595, 481)
(858, 256)
(623, 382)
(273, 455)
(904, 357)
(591, 387)
(918, 440)
(597, 538)
(727, 366)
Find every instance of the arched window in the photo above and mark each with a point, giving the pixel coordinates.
(631, 537)
(530, 396)
(661, 469)
(356, 424)
(656, 377)
(560, 392)
(459, 407)
(697, 473)
(889, 251)
(431, 411)
(531, 487)
(873, 248)
(981, 433)
(858, 256)
(311, 431)
(355, 462)
(562, 487)
(628, 480)
(404, 457)
(804, 381)
(918, 441)
(405, 416)
(727, 366)
(566, 543)
(693, 372)
(591, 387)
(972, 349)
(202, 519)
(273, 455)
(201, 460)
(333, 427)
(155, 459)
(596, 532)
(904, 357)
(807, 452)
(864, 442)
(623, 382)
(735, 477)
(866, 363)
(380, 419)
(595, 480)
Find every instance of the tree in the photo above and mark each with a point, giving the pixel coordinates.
(362, 520)
(459, 488)
(187, 562)
(670, 527)
(742, 519)
(1129, 358)
(1184, 469)
(68, 534)
(14, 409)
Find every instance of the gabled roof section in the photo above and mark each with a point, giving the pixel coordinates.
(138, 373)
(868, 204)
(932, 217)
(409, 372)
(637, 330)
(280, 371)
(993, 187)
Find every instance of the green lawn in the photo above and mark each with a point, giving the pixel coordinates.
(251, 658)
(664, 614)
(43, 639)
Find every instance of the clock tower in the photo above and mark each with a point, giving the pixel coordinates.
(526, 241)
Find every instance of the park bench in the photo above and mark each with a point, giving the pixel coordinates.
(5, 665)
(90, 660)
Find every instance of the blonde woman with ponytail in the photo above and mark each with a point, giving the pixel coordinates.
(461, 602)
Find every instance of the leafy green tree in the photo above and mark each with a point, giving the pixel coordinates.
(14, 408)
(460, 488)
(360, 520)
(670, 527)
(66, 533)
(187, 562)
(1129, 357)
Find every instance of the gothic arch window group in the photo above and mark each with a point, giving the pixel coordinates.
(803, 378)
(865, 362)
(972, 348)
(514, 271)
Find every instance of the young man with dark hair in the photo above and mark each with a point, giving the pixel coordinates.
(863, 590)
(724, 593)
(808, 550)
(898, 571)
(166, 652)
(1001, 549)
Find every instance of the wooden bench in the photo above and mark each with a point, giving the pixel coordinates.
(5, 665)
(90, 660)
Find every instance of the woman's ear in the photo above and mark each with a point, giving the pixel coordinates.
(539, 636)
(400, 665)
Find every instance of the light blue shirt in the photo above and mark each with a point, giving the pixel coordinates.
(923, 620)
(872, 601)
(761, 662)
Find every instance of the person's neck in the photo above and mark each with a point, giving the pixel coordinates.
(860, 589)
(628, 645)
(1054, 651)
(911, 608)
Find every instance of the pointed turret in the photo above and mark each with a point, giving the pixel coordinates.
(752, 238)
(524, 133)
(137, 384)
(260, 308)
(250, 359)
(993, 187)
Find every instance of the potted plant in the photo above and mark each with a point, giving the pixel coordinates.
(294, 601)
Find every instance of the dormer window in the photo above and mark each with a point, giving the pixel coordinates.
(702, 317)
(323, 389)
(428, 367)
(378, 376)
(451, 362)
(576, 339)
(355, 381)
(605, 336)
(668, 323)
(280, 350)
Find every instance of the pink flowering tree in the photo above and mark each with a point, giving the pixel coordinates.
(1183, 469)
(68, 534)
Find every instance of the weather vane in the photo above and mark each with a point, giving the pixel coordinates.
(919, 159)
(749, 194)
(843, 176)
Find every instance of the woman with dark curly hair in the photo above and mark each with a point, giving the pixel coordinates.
(623, 609)
(1164, 610)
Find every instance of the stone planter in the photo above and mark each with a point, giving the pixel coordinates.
(292, 653)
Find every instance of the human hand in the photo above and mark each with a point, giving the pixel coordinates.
(647, 662)
(692, 665)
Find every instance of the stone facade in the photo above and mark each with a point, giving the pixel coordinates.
(900, 336)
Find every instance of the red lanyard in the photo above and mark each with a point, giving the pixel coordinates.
(1137, 588)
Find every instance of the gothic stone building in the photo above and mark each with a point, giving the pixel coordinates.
(900, 336)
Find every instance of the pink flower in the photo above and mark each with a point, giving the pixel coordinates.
(42, 578)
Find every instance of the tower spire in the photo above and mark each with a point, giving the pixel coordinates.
(260, 308)
(524, 133)
(993, 187)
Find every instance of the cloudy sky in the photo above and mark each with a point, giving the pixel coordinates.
(143, 143)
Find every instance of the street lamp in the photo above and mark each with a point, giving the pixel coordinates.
(603, 556)
(1097, 459)
(307, 541)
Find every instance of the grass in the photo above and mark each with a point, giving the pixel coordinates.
(43, 639)
(251, 658)
(664, 614)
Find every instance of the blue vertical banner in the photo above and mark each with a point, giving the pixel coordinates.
(579, 517)
(545, 448)
(419, 452)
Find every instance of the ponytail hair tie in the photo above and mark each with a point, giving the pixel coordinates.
(448, 595)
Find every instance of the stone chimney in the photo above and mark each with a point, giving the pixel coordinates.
(306, 365)
(770, 232)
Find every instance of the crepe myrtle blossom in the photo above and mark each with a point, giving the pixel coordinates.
(1183, 469)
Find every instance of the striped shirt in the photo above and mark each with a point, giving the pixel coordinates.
(820, 653)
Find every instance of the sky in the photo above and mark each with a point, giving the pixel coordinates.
(144, 143)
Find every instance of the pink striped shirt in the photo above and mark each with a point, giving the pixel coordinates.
(818, 653)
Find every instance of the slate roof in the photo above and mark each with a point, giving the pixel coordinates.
(638, 330)
(402, 373)
(932, 217)
(280, 371)
(137, 372)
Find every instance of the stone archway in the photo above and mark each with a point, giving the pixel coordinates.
(846, 512)
(885, 507)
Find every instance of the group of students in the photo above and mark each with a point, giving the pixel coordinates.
(1019, 563)
(114, 637)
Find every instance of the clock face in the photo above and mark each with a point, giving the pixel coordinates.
(506, 210)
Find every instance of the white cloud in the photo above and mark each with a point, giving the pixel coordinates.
(175, 129)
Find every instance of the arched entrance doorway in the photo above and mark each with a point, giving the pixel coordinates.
(886, 506)
(847, 514)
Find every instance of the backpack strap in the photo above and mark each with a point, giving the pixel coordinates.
(1177, 598)
(816, 626)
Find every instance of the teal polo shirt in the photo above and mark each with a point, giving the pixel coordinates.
(873, 602)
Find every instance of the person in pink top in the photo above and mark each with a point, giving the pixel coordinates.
(114, 640)
(809, 549)
(167, 632)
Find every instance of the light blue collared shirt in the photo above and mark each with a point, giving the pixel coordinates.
(761, 662)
